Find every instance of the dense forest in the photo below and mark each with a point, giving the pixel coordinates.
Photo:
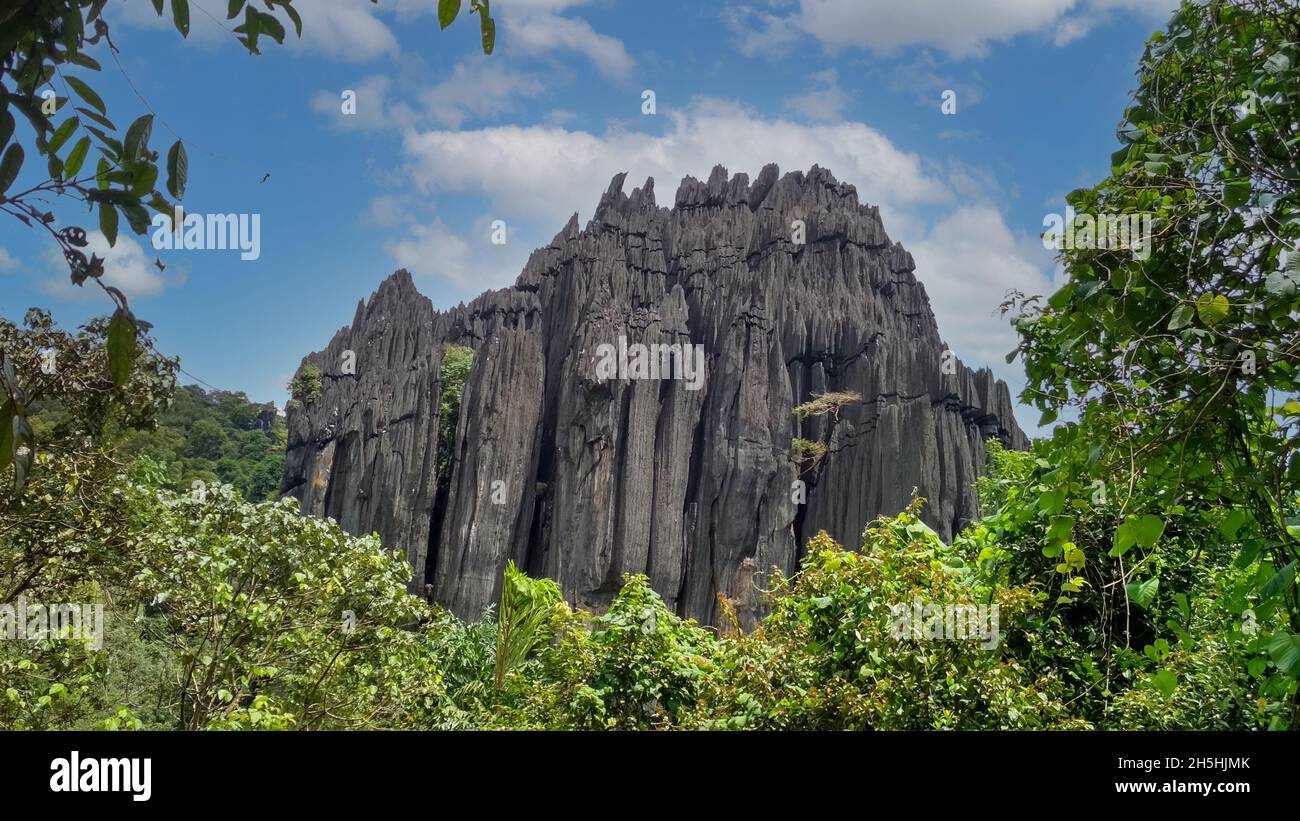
(1135, 569)
(215, 436)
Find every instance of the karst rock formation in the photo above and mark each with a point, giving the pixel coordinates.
(584, 478)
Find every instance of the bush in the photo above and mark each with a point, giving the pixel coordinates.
(306, 384)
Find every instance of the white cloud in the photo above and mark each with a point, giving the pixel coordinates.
(475, 88)
(543, 32)
(468, 261)
(538, 175)
(345, 31)
(545, 173)
(126, 266)
(822, 101)
(8, 262)
(478, 87)
(761, 32)
(968, 261)
(960, 28)
(376, 110)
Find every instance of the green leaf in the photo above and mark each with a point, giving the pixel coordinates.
(1144, 530)
(272, 27)
(181, 16)
(99, 118)
(1061, 528)
(62, 133)
(121, 347)
(293, 15)
(1281, 581)
(108, 222)
(6, 126)
(1182, 317)
(1232, 522)
(178, 170)
(447, 11)
(1284, 648)
(488, 27)
(137, 138)
(1166, 682)
(1212, 308)
(1236, 193)
(13, 160)
(1143, 593)
(1149, 529)
(1284, 284)
(76, 157)
(233, 8)
(136, 216)
(158, 7)
(87, 93)
(143, 177)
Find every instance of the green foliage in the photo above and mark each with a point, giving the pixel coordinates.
(1142, 559)
(1173, 359)
(305, 386)
(62, 517)
(215, 436)
(829, 402)
(528, 608)
(457, 362)
(806, 454)
(276, 619)
(832, 655)
(651, 663)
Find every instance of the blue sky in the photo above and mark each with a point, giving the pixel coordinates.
(446, 140)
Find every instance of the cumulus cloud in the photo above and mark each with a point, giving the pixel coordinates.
(344, 31)
(8, 262)
(126, 266)
(960, 28)
(469, 261)
(545, 172)
(538, 175)
(533, 31)
(968, 261)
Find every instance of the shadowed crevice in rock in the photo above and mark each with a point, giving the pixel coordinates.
(604, 477)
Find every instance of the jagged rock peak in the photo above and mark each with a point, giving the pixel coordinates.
(691, 478)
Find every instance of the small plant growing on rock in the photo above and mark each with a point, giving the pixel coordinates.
(824, 403)
(806, 454)
(305, 385)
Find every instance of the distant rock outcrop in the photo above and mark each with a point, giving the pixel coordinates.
(584, 478)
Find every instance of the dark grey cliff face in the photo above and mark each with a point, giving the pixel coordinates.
(585, 478)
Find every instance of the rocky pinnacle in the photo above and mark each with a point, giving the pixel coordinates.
(585, 477)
